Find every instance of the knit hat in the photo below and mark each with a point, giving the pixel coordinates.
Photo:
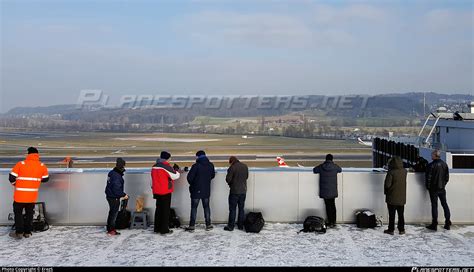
(165, 155)
(200, 153)
(32, 150)
(120, 163)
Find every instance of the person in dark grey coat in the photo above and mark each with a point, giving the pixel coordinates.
(328, 186)
(199, 179)
(236, 178)
(395, 190)
(436, 178)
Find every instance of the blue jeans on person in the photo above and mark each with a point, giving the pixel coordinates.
(234, 201)
(207, 211)
(434, 206)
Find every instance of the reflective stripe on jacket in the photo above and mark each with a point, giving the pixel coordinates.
(28, 175)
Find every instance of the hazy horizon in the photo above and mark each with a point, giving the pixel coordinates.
(51, 50)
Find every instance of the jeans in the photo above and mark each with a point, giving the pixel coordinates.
(194, 206)
(23, 225)
(434, 206)
(114, 206)
(234, 201)
(391, 217)
(162, 213)
(331, 210)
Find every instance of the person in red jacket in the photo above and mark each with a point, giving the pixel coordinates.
(26, 177)
(163, 177)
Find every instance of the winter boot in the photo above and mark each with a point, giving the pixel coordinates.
(16, 235)
(447, 225)
(190, 229)
(387, 231)
(432, 227)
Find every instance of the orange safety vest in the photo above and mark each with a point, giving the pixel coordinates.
(29, 174)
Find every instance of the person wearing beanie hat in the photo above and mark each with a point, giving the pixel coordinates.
(199, 179)
(114, 191)
(26, 191)
(163, 177)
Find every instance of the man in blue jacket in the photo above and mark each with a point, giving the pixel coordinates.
(114, 192)
(328, 187)
(199, 179)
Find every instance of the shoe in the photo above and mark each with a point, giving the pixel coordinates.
(190, 229)
(27, 235)
(226, 228)
(432, 227)
(113, 233)
(401, 232)
(332, 225)
(240, 227)
(209, 227)
(447, 225)
(16, 235)
(167, 233)
(388, 232)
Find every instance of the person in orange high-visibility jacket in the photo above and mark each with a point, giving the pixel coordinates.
(27, 177)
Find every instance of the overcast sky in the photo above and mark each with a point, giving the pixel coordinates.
(52, 50)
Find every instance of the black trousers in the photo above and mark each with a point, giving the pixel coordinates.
(434, 206)
(162, 213)
(331, 210)
(114, 205)
(23, 225)
(391, 217)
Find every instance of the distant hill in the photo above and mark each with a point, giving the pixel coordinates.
(407, 105)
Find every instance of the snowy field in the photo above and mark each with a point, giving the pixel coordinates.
(276, 245)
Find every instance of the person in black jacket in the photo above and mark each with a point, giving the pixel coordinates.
(236, 178)
(436, 178)
(114, 192)
(199, 179)
(328, 186)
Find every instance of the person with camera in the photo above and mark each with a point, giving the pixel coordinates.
(163, 177)
(114, 193)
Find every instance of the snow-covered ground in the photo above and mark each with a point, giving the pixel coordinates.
(276, 245)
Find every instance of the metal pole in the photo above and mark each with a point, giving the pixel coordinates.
(424, 125)
(431, 131)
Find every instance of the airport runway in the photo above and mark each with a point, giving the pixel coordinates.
(177, 158)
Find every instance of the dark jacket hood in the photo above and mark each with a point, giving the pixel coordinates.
(328, 166)
(202, 159)
(395, 163)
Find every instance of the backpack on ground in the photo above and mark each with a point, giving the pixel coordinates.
(314, 224)
(174, 219)
(367, 219)
(254, 222)
(123, 216)
(39, 218)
